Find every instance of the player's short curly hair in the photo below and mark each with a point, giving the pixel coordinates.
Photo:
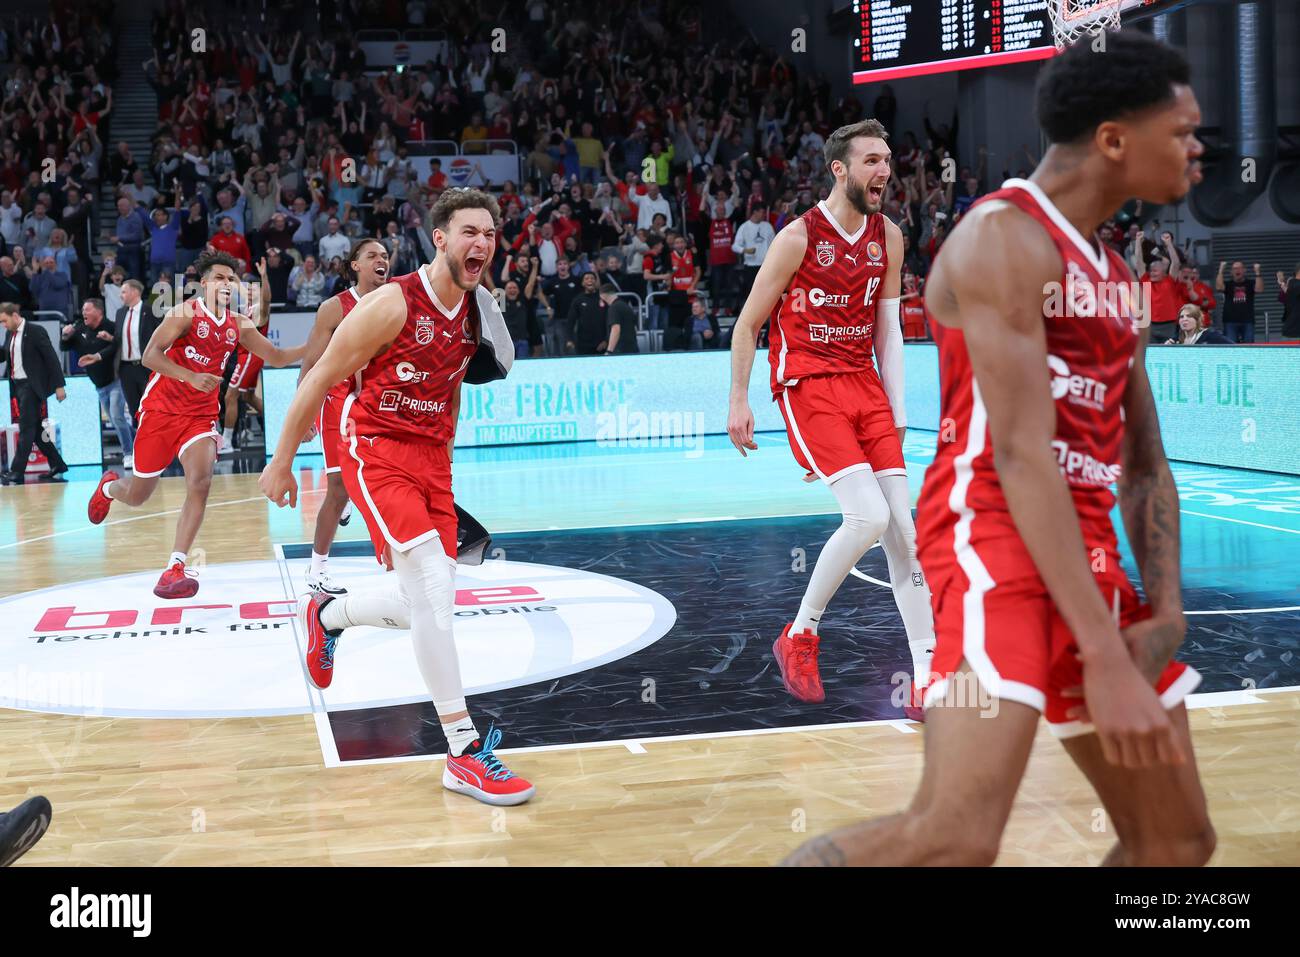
(1089, 84)
(453, 200)
(206, 261)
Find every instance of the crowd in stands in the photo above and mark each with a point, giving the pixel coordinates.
(57, 102)
(658, 153)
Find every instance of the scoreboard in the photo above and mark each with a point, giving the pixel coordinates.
(902, 38)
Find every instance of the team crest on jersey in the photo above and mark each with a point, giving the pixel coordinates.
(201, 330)
(231, 335)
(424, 330)
(874, 252)
(825, 253)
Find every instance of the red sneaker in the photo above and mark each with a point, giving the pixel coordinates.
(914, 710)
(319, 659)
(175, 583)
(479, 773)
(97, 509)
(796, 656)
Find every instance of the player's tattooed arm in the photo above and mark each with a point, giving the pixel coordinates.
(260, 346)
(1148, 502)
(174, 325)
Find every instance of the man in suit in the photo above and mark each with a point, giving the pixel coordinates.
(34, 375)
(135, 323)
(95, 340)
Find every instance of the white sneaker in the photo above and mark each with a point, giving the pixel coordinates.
(346, 515)
(322, 583)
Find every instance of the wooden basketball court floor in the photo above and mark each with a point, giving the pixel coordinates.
(279, 788)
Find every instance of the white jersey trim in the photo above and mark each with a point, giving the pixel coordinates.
(428, 288)
(830, 217)
(204, 306)
(1100, 261)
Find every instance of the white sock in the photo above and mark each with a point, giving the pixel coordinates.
(911, 592)
(461, 733)
(866, 516)
(228, 435)
(108, 489)
(808, 618)
(387, 608)
(319, 562)
(176, 557)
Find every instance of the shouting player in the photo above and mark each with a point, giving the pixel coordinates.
(248, 366)
(368, 264)
(835, 271)
(1042, 371)
(178, 411)
(408, 346)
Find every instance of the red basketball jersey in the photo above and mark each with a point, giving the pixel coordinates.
(407, 389)
(1091, 348)
(206, 347)
(827, 314)
(348, 299)
(722, 233)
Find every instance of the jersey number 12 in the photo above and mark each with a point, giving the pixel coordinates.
(872, 285)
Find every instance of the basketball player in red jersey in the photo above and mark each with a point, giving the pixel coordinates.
(407, 347)
(368, 263)
(835, 271)
(178, 411)
(243, 381)
(1042, 368)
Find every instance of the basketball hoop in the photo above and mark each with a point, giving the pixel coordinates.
(1072, 19)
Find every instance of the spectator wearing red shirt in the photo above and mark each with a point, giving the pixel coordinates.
(229, 241)
(681, 290)
(1198, 292)
(722, 258)
(1167, 294)
(437, 178)
(913, 307)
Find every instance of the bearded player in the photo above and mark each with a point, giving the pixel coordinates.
(368, 264)
(248, 367)
(835, 272)
(408, 346)
(1051, 403)
(178, 410)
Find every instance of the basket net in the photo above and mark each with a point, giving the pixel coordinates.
(1073, 19)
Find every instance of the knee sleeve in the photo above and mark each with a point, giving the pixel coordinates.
(866, 513)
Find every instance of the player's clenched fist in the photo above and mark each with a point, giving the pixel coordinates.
(205, 381)
(278, 484)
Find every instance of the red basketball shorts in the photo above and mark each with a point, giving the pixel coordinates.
(402, 489)
(841, 423)
(1019, 647)
(328, 428)
(247, 368)
(163, 437)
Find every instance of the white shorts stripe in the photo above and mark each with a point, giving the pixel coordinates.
(798, 437)
(981, 582)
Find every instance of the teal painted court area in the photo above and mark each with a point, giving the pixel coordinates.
(1241, 529)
